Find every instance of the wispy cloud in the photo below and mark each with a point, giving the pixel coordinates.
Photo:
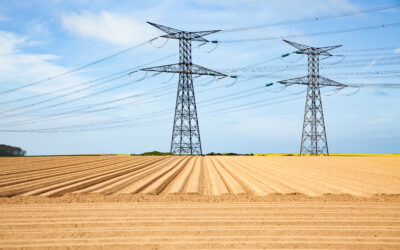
(384, 118)
(18, 67)
(114, 28)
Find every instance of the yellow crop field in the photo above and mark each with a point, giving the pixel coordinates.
(385, 155)
(191, 202)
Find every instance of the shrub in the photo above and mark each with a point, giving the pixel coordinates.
(156, 153)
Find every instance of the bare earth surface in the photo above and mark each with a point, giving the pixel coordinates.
(229, 225)
(200, 202)
(262, 175)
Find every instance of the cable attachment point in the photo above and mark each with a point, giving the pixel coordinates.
(216, 46)
(162, 45)
(141, 79)
(341, 59)
(234, 82)
(133, 72)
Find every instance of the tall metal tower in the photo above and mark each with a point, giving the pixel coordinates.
(186, 131)
(313, 139)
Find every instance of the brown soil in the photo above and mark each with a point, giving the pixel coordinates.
(200, 202)
(164, 175)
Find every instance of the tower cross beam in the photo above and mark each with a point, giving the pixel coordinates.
(180, 34)
(178, 68)
(321, 82)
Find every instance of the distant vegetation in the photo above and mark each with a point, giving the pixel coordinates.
(212, 153)
(7, 150)
(155, 153)
(169, 153)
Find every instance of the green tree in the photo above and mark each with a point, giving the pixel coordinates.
(7, 150)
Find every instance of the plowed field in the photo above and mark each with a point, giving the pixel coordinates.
(314, 176)
(194, 202)
(201, 225)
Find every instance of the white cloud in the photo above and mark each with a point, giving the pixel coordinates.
(397, 51)
(8, 42)
(383, 118)
(373, 62)
(111, 27)
(18, 68)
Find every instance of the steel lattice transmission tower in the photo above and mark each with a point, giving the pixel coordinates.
(313, 139)
(186, 131)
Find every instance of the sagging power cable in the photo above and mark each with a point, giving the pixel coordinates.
(313, 19)
(381, 26)
(77, 69)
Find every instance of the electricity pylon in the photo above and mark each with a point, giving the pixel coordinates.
(313, 139)
(186, 131)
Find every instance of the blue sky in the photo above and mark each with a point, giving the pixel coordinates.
(40, 39)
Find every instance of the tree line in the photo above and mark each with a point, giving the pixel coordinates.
(7, 150)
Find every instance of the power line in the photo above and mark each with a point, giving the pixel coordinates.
(370, 55)
(371, 72)
(154, 114)
(368, 49)
(92, 126)
(124, 105)
(78, 68)
(236, 108)
(62, 96)
(249, 68)
(123, 72)
(119, 76)
(312, 19)
(227, 98)
(70, 101)
(310, 34)
(56, 130)
(61, 90)
(358, 65)
(354, 85)
(279, 68)
(75, 110)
